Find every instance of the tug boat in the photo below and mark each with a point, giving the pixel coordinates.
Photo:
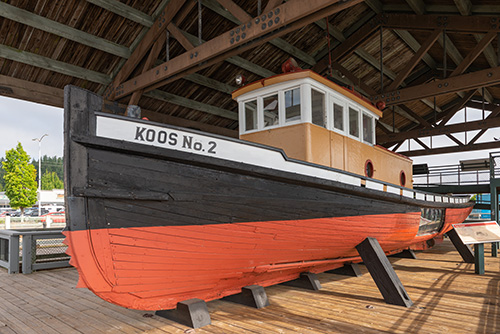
(160, 214)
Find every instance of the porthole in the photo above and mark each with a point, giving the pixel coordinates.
(402, 178)
(369, 168)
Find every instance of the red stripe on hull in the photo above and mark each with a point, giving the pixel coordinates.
(153, 268)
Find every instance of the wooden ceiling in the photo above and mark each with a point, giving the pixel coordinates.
(177, 59)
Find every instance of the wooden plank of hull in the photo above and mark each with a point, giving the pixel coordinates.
(155, 267)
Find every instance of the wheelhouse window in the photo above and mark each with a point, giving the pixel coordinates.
(354, 122)
(271, 111)
(338, 117)
(251, 115)
(367, 129)
(292, 105)
(318, 108)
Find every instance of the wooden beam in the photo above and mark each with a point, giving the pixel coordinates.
(52, 65)
(145, 45)
(408, 38)
(452, 149)
(277, 42)
(419, 118)
(236, 10)
(180, 37)
(290, 16)
(474, 80)
(210, 83)
(421, 143)
(235, 60)
(437, 131)
(418, 6)
(182, 101)
(272, 4)
(31, 91)
(493, 114)
(350, 44)
(150, 61)
(469, 59)
(123, 10)
(24, 17)
(464, 7)
(448, 114)
(458, 24)
(415, 59)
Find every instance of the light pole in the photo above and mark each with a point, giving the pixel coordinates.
(39, 140)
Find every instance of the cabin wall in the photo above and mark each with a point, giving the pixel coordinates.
(312, 143)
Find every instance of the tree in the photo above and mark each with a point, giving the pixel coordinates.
(50, 181)
(20, 178)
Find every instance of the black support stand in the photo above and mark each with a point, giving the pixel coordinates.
(252, 295)
(307, 281)
(351, 269)
(406, 254)
(464, 250)
(191, 312)
(382, 273)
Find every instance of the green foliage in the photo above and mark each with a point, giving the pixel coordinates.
(2, 173)
(20, 178)
(50, 164)
(50, 181)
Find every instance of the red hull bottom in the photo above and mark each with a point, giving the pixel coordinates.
(153, 268)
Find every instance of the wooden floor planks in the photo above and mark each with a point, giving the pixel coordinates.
(448, 298)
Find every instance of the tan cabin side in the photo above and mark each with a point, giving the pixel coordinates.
(315, 144)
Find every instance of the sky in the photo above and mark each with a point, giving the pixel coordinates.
(21, 121)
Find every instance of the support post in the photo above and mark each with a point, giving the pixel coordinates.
(479, 259)
(406, 254)
(349, 269)
(464, 250)
(191, 312)
(252, 295)
(307, 281)
(27, 265)
(494, 249)
(383, 273)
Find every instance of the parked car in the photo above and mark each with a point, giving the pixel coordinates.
(56, 217)
(34, 213)
(7, 213)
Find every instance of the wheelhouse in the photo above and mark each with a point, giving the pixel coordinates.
(313, 119)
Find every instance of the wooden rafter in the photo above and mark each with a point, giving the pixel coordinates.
(289, 16)
(437, 131)
(236, 10)
(458, 24)
(473, 80)
(469, 59)
(23, 16)
(452, 149)
(53, 65)
(418, 6)
(493, 114)
(272, 4)
(415, 59)
(350, 44)
(145, 44)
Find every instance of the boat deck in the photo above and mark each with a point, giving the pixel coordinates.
(448, 298)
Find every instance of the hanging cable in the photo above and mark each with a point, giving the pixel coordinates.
(381, 62)
(330, 69)
(199, 21)
(482, 95)
(445, 65)
(167, 46)
(393, 120)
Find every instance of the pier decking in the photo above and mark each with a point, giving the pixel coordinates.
(448, 297)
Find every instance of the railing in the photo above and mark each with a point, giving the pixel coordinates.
(452, 175)
(40, 249)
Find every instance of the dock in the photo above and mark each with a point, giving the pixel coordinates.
(448, 298)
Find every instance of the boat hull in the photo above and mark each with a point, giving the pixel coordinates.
(150, 226)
